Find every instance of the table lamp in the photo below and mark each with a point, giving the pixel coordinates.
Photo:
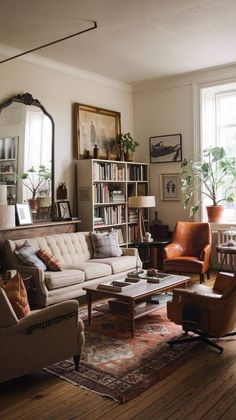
(140, 202)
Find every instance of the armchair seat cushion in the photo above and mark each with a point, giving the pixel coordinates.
(190, 264)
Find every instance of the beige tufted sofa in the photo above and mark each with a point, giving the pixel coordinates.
(75, 253)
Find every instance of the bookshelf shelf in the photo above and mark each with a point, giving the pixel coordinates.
(103, 190)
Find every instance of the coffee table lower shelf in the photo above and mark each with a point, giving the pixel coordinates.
(141, 308)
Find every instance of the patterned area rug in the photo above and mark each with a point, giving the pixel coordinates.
(117, 366)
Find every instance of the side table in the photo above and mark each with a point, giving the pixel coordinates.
(151, 253)
(226, 250)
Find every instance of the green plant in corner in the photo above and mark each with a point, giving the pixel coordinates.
(35, 180)
(207, 177)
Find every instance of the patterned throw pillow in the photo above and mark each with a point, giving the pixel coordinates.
(49, 260)
(27, 254)
(17, 295)
(105, 245)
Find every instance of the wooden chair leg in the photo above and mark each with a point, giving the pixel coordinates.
(208, 274)
(76, 362)
(201, 278)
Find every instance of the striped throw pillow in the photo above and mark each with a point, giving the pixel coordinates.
(105, 245)
(27, 254)
(51, 262)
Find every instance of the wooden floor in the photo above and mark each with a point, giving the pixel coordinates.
(203, 388)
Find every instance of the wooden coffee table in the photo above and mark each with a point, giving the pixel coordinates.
(133, 297)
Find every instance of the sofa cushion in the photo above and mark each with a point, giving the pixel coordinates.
(17, 295)
(56, 280)
(49, 260)
(91, 270)
(105, 245)
(118, 264)
(27, 254)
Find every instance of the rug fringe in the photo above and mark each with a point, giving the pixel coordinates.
(82, 386)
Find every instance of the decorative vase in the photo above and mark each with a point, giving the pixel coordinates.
(129, 156)
(214, 213)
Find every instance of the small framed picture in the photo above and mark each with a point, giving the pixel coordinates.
(23, 214)
(170, 187)
(166, 148)
(64, 210)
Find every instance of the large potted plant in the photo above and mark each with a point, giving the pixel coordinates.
(36, 181)
(128, 146)
(208, 178)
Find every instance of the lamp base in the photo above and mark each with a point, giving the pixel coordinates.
(140, 227)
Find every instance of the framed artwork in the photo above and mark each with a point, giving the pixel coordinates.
(23, 214)
(166, 148)
(96, 126)
(170, 187)
(64, 210)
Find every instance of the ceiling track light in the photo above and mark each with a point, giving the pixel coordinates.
(52, 43)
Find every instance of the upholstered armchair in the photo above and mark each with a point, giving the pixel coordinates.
(207, 312)
(39, 339)
(190, 249)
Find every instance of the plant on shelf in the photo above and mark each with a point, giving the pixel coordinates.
(35, 180)
(208, 177)
(128, 146)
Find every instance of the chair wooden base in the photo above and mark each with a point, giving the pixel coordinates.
(200, 336)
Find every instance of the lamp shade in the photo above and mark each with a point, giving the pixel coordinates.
(141, 201)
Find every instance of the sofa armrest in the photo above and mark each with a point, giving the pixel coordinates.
(46, 317)
(37, 276)
(130, 251)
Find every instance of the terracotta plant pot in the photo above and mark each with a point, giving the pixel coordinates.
(33, 203)
(129, 156)
(214, 213)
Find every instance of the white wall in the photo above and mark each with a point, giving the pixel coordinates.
(167, 107)
(57, 91)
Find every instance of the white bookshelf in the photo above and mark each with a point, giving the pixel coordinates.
(103, 190)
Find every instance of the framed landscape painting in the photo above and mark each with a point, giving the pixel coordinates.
(166, 148)
(96, 126)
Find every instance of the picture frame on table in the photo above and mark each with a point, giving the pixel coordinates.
(96, 126)
(170, 187)
(64, 211)
(166, 148)
(23, 214)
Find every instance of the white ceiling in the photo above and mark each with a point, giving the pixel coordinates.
(135, 40)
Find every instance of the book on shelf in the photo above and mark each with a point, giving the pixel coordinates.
(119, 305)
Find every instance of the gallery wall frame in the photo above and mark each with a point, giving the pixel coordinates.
(96, 126)
(166, 148)
(170, 187)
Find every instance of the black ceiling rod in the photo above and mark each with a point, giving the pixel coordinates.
(51, 43)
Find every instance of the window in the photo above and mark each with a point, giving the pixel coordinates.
(218, 128)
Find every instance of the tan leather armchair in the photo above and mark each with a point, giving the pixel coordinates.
(190, 249)
(44, 337)
(208, 312)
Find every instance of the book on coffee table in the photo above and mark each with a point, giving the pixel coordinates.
(115, 285)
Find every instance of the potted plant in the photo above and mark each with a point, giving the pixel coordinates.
(35, 181)
(128, 146)
(208, 178)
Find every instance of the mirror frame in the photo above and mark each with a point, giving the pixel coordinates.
(27, 99)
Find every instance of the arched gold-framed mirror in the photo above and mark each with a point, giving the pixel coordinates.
(27, 151)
